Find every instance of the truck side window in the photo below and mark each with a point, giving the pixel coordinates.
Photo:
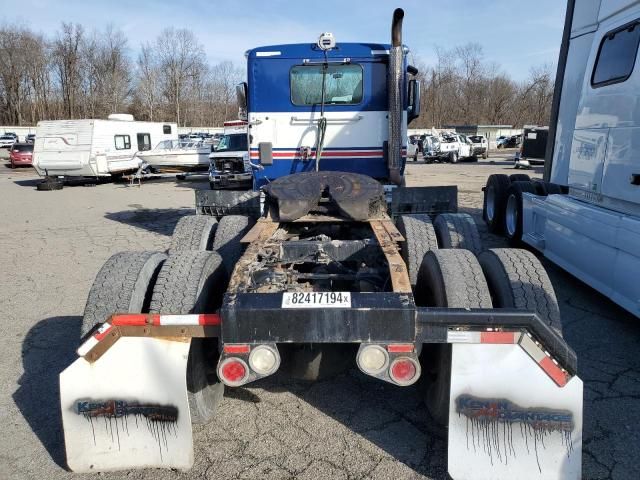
(617, 56)
(122, 142)
(343, 85)
(166, 129)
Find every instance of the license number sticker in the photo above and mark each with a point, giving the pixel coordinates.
(316, 300)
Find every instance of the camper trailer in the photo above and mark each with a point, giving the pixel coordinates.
(95, 148)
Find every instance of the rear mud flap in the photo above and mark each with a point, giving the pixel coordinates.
(508, 419)
(129, 409)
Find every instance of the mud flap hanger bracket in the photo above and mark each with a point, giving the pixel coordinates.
(541, 342)
(170, 327)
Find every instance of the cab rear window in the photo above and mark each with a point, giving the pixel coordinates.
(616, 56)
(343, 84)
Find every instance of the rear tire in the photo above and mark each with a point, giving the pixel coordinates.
(193, 282)
(419, 238)
(517, 279)
(193, 232)
(231, 229)
(457, 230)
(513, 210)
(123, 285)
(453, 157)
(495, 198)
(453, 279)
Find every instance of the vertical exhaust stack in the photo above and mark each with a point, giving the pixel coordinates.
(396, 102)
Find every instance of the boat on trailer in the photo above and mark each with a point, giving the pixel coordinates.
(178, 155)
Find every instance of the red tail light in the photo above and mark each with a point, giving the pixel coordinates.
(233, 371)
(404, 371)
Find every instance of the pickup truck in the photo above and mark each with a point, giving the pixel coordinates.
(454, 147)
(479, 146)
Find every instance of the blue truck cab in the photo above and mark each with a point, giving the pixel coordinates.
(284, 104)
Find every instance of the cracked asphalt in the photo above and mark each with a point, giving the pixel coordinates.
(52, 245)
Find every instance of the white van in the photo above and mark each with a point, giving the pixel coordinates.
(95, 148)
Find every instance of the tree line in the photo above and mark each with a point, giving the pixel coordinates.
(462, 88)
(80, 74)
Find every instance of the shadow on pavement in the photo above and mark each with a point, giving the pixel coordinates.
(392, 418)
(47, 350)
(157, 220)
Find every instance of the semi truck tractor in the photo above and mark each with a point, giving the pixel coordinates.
(585, 214)
(329, 263)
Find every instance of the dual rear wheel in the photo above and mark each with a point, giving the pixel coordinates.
(190, 279)
(452, 276)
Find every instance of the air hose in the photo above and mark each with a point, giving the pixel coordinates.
(322, 121)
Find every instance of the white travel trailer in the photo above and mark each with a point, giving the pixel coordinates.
(585, 216)
(95, 148)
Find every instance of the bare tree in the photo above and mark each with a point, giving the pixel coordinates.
(67, 59)
(148, 81)
(180, 58)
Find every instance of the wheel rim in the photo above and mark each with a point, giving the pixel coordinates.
(491, 203)
(511, 215)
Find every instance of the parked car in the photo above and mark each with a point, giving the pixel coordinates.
(30, 138)
(21, 154)
(513, 141)
(480, 145)
(431, 148)
(6, 141)
(500, 141)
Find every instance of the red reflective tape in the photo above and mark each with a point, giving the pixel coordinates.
(103, 333)
(209, 319)
(498, 337)
(400, 348)
(236, 348)
(554, 371)
(130, 320)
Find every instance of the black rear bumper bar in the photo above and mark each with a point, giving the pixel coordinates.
(375, 318)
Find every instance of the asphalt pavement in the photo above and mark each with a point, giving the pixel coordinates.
(52, 244)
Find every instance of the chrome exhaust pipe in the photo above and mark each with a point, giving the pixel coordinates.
(395, 84)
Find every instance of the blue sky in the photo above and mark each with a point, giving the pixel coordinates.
(516, 34)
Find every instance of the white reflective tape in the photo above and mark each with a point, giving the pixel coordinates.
(179, 319)
(529, 346)
(267, 54)
(463, 337)
(87, 346)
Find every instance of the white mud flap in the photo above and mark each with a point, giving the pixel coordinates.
(509, 420)
(129, 409)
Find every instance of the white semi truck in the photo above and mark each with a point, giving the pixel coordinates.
(585, 215)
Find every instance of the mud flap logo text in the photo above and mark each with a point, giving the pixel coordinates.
(160, 420)
(491, 421)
